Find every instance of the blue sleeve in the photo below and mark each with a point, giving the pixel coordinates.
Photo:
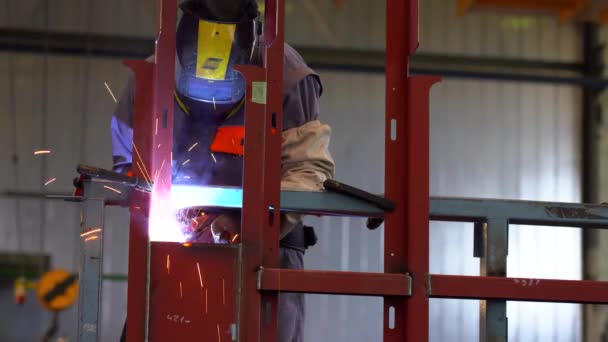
(122, 144)
(122, 128)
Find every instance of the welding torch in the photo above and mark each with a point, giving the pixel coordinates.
(114, 177)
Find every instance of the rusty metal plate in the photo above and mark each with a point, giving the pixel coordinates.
(193, 292)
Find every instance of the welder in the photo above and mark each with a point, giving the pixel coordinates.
(212, 37)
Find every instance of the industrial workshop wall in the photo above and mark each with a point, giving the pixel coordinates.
(489, 139)
(60, 104)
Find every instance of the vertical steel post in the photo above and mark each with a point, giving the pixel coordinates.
(152, 146)
(593, 67)
(493, 323)
(261, 181)
(90, 268)
(406, 236)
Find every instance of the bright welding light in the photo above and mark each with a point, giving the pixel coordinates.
(184, 196)
(164, 208)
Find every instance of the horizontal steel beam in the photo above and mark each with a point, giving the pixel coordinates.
(519, 212)
(75, 44)
(518, 289)
(334, 282)
(305, 202)
(332, 59)
(330, 203)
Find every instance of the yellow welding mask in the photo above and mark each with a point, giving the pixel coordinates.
(208, 49)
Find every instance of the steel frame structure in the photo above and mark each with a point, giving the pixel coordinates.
(252, 266)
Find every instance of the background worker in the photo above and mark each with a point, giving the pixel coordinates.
(213, 37)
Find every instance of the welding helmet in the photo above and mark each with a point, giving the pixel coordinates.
(213, 36)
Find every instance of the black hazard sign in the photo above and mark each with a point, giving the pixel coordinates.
(57, 289)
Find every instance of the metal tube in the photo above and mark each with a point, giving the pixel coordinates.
(91, 263)
(493, 313)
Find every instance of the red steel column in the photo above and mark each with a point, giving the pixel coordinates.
(152, 140)
(406, 236)
(261, 181)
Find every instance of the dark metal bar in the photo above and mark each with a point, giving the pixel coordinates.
(91, 263)
(374, 60)
(520, 212)
(493, 322)
(518, 289)
(75, 44)
(67, 43)
(493, 313)
(593, 68)
(115, 177)
(586, 82)
(496, 236)
(349, 60)
(333, 282)
(592, 118)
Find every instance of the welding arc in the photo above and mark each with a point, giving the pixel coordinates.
(60, 288)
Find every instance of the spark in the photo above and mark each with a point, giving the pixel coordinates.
(205, 300)
(186, 162)
(218, 333)
(92, 231)
(187, 244)
(214, 108)
(213, 156)
(181, 294)
(110, 91)
(223, 292)
(144, 171)
(94, 237)
(156, 129)
(193, 146)
(159, 145)
(234, 238)
(159, 171)
(200, 278)
(111, 188)
(168, 264)
(42, 152)
(50, 181)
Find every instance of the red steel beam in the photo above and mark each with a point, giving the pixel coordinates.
(397, 177)
(518, 289)
(406, 236)
(333, 282)
(139, 208)
(154, 84)
(261, 180)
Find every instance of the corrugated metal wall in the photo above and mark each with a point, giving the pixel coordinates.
(61, 104)
(489, 139)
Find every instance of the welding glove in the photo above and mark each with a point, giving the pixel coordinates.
(226, 228)
(305, 163)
